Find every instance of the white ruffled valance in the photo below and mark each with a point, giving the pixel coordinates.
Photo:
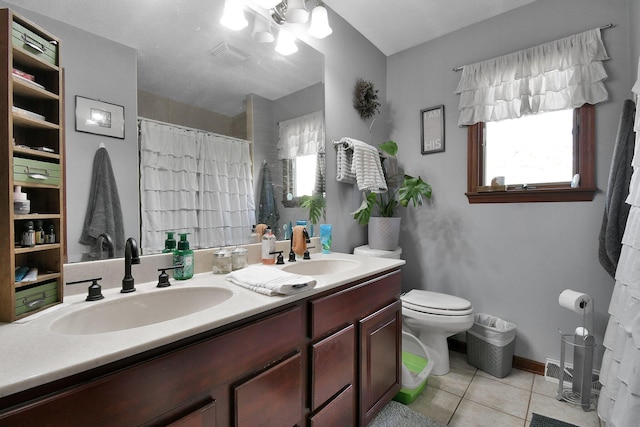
(558, 75)
(194, 182)
(301, 136)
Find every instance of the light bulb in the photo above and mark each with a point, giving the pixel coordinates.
(261, 30)
(233, 15)
(296, 13)
(286, 43)
(319, 27)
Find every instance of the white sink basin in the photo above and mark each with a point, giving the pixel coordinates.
(321, 267)
(133, 311)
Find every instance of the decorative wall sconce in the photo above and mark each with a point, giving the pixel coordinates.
(277, 13)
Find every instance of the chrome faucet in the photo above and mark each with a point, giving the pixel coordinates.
(130, 257)
(103, 239)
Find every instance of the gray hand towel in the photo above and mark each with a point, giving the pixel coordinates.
(616, 210)
(104, 213)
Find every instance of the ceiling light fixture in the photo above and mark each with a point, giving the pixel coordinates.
(286, 43)
(278, 13)
(319, 27)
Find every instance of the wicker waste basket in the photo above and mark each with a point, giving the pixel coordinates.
(490, 344)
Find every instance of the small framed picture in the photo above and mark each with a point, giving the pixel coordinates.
(100, 118)
(432, 130)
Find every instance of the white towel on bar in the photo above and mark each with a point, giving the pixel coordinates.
(344, 157)
(367, 167)
(269, 280)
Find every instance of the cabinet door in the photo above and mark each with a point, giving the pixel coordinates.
(272, 398)
(380, 358)
(332, 365)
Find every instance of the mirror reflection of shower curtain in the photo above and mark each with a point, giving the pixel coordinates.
(194, 182)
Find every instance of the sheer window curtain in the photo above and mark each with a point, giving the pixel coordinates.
(558, 75)
(194, 182)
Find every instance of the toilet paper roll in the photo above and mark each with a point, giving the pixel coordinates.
(575, 301)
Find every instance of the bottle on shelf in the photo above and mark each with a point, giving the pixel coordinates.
(170, 243)
(28, 235)
(39, 231)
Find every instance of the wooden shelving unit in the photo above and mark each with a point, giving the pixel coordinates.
(30, 141)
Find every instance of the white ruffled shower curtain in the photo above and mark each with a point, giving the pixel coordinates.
(194, 182)
(619, 402)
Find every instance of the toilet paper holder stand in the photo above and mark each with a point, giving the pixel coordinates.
(583, 344)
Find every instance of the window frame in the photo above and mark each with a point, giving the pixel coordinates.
(584, 164)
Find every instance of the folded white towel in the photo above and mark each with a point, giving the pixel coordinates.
(367, 167)
(269, 280)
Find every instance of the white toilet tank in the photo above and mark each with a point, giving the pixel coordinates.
(366, 250)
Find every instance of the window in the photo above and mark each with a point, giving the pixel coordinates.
(299, 178)
(505, 148)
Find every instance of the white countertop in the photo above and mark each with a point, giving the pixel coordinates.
(34, 355)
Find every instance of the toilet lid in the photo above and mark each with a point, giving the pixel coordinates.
(436, 303)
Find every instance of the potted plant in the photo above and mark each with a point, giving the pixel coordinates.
(377, 209)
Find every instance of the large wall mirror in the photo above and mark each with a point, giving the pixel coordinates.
(172, 62)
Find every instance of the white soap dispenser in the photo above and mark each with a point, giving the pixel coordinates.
(21, 205)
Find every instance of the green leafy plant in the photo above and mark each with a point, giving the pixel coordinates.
(403, 190)
(316, 204)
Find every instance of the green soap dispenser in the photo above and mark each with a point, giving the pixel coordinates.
(170, 243)
(183, 255)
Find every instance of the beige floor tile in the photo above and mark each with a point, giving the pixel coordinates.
(500, 396)
(456, 381)
(472, 414)
(516, 378)
(437, 404)
(459, 361)
(544, 387)
(563, 411)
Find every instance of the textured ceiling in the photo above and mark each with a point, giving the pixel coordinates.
(396, 25)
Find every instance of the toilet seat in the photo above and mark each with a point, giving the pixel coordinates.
(436, 303)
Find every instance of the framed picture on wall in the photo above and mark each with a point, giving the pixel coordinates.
(100, 118)
(432, 129)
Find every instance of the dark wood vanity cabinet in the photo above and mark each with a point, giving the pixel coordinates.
(359, 360)
(329, 360)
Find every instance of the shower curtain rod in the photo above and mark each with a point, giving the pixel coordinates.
(189, 129)
(604, 27)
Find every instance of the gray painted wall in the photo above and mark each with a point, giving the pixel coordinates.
(509, 260)
(95, 68)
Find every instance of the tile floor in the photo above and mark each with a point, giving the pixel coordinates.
(469, 397)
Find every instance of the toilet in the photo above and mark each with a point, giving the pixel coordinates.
(431, 316)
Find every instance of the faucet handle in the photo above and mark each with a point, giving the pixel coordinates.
(163, 278)
(94, 290)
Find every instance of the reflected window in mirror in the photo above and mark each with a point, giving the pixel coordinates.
(301, 149)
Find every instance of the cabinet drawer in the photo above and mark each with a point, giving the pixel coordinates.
(32, 298)
(34, 43)
(349, 306)
(339, 412)
(273, 398)
(332, 365)
(35, 171)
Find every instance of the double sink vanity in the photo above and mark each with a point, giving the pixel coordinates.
(205, 352)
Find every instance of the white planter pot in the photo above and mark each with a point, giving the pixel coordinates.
(384, 233)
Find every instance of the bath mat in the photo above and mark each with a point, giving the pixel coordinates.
(541, 421)
(396, 414)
